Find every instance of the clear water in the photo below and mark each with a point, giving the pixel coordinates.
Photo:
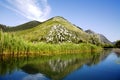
(85, 66)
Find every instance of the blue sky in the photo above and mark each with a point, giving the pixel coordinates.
(101, 16)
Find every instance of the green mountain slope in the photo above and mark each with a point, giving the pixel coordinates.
(55, 30)
(24, 26)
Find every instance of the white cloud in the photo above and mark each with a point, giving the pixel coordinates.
(31, 9)
(38, 76)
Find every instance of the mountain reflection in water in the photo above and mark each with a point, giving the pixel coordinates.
(62, 67)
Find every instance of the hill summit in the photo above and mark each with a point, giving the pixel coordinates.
(56, 30)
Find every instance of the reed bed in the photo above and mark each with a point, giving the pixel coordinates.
(11, 44)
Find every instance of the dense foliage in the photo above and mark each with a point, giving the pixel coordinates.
(13, 44)
(52, 36)
(117, 44)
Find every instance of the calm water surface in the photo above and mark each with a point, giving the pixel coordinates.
(83, 66)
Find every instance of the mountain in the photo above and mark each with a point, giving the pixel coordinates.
(56, 30)
(90, 31)
(101, 38)
(104, 39)
(24, 26)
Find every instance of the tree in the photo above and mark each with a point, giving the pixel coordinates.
(117, 44)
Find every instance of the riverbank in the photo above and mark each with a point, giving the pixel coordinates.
(52, 49)
(10, 44)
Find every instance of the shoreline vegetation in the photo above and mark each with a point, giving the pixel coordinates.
(11, 44)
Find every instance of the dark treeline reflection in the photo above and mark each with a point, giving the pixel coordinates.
(54, 67)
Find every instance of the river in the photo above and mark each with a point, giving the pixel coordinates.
(83, 66)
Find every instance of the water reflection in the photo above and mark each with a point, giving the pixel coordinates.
(48, 67)
(35, 77)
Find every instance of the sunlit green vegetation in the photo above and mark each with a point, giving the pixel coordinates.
(54, 36)
(40, 32)
(55, 30)
(12, 44)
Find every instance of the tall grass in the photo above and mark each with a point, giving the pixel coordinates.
(14, 45)
(1, 41)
